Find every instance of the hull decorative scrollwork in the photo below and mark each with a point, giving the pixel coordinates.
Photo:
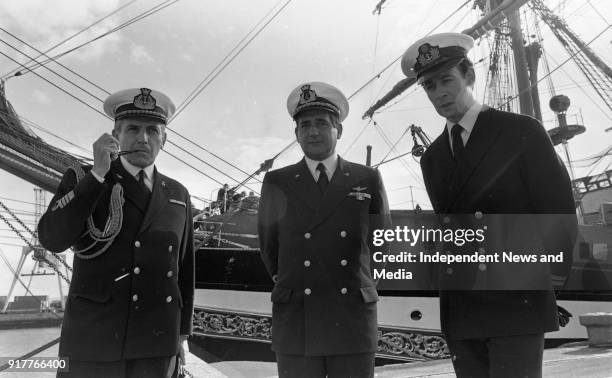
(395, 344)
(411, 345)
(218, 323)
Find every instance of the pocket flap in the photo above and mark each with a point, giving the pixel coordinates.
(281, 294)
(369, 294)
(100, 297)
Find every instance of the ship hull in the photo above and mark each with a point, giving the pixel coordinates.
(233, 308)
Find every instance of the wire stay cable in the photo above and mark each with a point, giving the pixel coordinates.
(12, 72)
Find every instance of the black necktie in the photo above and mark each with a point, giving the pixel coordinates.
(142, 184)
(323, 181)
(457, 141)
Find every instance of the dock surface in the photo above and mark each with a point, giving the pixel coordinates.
(574, 360)
(570, 360)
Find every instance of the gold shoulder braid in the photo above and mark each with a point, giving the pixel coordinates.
(112, 226)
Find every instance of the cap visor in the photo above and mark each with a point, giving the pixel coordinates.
(320, 107)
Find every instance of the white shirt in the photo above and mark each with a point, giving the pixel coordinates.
(467, 122)
(134, 171)
(330, 165)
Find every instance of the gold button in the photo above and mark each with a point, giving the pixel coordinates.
(307, 291)
(168, 299)
(449, 270)
(307, 235)
(134, 297)
(343, 262)
(343, 290)
(137, 244)
(170, 248)
(478, 214)
(169, 274)
(482, 267)
(481, 250)
(306, 263)
(342, 234)
(446, 220)
(137, 270)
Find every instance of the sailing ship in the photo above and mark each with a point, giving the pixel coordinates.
(233, 310)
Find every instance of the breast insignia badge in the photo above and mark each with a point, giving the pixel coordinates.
(359, 194)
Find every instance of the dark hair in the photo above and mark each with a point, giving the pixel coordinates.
(335, 120)
(465, 65)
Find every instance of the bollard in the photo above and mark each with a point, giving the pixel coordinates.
(599, 328)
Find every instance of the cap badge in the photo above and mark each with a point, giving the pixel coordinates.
(144, 100)
(427, 53)
(308, 95)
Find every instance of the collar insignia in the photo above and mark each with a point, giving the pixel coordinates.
(144, 100)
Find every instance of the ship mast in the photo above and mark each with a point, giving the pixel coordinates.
(520, 62)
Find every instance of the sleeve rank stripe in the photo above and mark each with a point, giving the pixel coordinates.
(62, 202)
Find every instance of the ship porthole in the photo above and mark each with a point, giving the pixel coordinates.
(416, 315)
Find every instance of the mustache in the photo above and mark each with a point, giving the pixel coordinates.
(121, 153)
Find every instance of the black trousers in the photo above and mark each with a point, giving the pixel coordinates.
(157, 367)
(498, 357)
(337, 366)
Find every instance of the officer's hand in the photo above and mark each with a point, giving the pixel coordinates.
(104, 150)
(564, 316)
(181, 355)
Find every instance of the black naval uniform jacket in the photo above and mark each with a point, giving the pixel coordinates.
(135, 299)
(324, 302)
(510, 178)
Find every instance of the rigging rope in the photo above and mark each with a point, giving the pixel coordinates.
(558, 67)
(388, 141)
(208, 164)
(581, 88)
(55, 61)
(58, 87)
(226, 56)
(199, 91)
(15, 70)
(34, 248)
(399, 57)
(44, 130)
(395, 144)
(29, 230)
(377, 76)
(143, 15)
(206, 150)
(52, 71)
(99, 99)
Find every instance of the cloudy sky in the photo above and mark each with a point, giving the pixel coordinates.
(241, 115)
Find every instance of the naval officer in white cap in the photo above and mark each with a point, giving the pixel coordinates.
(488, 162)
(130, 304)
(315, 226)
